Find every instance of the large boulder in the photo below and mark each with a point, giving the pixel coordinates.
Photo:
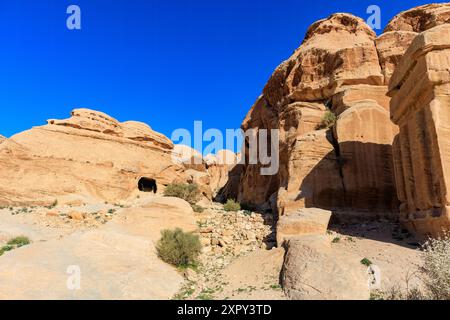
(312, 270)
(302, 222)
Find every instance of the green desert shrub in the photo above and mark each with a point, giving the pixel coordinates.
(188, 192)
(15, 243)
(231, 205)
(328, 120)
(366, 262)
(197, 208)
(179, 248)
(19, 241)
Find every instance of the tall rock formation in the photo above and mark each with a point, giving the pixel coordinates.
(335, 74)
(90, 156)
(420, 18)
(420, 105)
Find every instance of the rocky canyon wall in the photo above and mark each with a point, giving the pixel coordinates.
(340, 73)
(330, 102)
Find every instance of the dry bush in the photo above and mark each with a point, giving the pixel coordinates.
(188, 192)
(436, 267)
(231, 205)
(179, 248)
(434, 274)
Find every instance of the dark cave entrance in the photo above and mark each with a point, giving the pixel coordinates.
(147, 185)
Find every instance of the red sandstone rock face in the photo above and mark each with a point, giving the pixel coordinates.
(335, 70)
(90, 156)
(403, 28)
(391, 46)
(365, 134)
(336, 51)
(420, 18)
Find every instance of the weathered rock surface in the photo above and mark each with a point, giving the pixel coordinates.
(336, 73)
(211, 172)
(420, 90)
(2, 138)
(314, 179)
(337, 51)
(302, 222)
(116, 261)
(391, 46)
(342, 277)
(365, 135)
(421, 18)
(353, 94)
(90, 155)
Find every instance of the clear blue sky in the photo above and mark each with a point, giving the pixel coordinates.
(164, 62)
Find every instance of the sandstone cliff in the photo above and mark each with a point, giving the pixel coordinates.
(420, 87)
(341, 69)
(90, 156)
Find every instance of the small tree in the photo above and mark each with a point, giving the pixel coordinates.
(178, 248)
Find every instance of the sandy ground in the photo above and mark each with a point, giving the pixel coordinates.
(109, 254)
(251, 276)
(393, 250)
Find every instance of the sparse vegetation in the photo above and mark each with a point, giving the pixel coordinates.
(366, 262)
(396, 293)
(275, 287)
(206, 294)
(188, 192)
(328, 121)
(178, 248)
(14, 244)
(247, 213)
(436, 267)
(231, 205)
(53, 205)
(336, 240)
(19, 241)
(434, 274)
(197, 208)
(350, 239)
(186, 292)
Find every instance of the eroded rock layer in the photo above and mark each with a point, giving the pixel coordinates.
(90, 156)
(420, 90)
(329, 103)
